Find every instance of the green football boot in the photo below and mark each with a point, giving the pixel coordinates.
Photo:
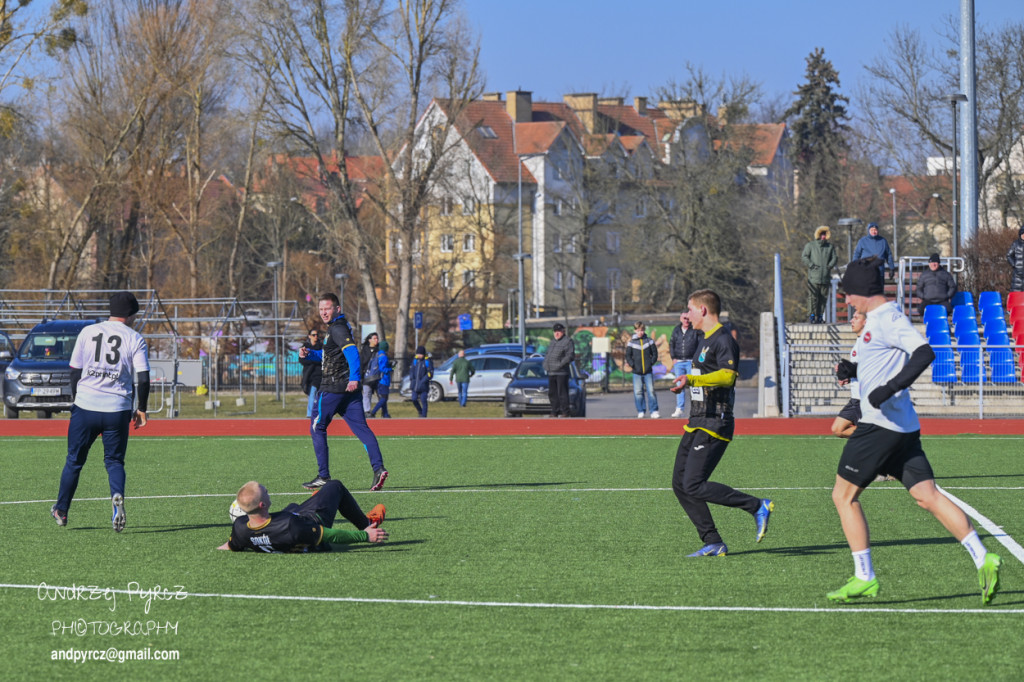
(988, 577)
(853, 589)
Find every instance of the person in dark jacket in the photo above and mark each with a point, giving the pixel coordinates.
(311, 371)
(1015, 257)
(935, 286)
(681, 347)
(371, 375)
(819, 257)
(642, 355)
(384, 367)
(420, 374)
(561, 353)
(874, 244)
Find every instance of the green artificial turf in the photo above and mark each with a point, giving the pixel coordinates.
(527, 558)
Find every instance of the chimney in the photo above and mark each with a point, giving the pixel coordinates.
(680, 109)
(585, 106)
(640, 104)
(520, 106)
(610, 101)
(723, 115)
(492, 96)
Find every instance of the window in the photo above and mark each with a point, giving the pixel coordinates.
(640, 210)
(468, 277)
(556, 208)
(487, 132)
(558, 280)
(588, 279)
(446, 279)
(570, 280)
(613, 279)
(500, 364)
(556, 243)
(447, 243)
(570, 247)
(468, 206)
(612, 242)
(446, 205)
(469, 242)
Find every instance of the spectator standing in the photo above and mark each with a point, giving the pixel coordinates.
(935, 286)
(312, 373)
(371, 375)
(681, 347)
(874, 244)
(420, 374)
(384, 385)
(1015, 257)
(819, 257)
(561, 353)
(461, 372)
(642, 355)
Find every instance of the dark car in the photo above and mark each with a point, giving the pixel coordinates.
(6, 351)
(528, 390)
(39, 376)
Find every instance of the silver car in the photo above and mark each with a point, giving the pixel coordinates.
(492, 374)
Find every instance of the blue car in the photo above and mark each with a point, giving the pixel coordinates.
(39, 376)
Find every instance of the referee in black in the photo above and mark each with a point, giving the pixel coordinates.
(711, 383)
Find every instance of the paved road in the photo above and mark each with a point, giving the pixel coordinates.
(620, 404)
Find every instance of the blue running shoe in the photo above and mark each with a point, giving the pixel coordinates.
(713, 549)
(118, 518)
(761, 518)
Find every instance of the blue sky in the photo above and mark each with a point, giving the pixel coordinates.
(632, 47)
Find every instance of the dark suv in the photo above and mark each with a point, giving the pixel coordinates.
(39, 376)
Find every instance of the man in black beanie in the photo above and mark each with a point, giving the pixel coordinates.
(107, 358)
(1015, 257)
(890, 355)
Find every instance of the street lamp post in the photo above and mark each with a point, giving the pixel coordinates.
(519, 256)
(848, 223)
(895, 237)
(955, 99)
(341, 277)
(274, 265)
(512, 311)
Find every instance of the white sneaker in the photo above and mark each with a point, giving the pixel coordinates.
(678, 412)
(639, 415)
(655, 415)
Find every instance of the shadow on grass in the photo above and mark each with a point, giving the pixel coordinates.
(811, 550)
(1001, 599)
(483, 486)
(389, 546)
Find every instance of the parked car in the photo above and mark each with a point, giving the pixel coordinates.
(493, 372)
(39, 376)
(527, 390)
(513, 349)
(6, 351)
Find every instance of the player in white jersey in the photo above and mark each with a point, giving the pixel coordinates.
(107, 357)
(891, 354)
(846, 421)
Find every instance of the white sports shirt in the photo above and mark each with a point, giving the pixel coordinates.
(107, 353)
(880, 353)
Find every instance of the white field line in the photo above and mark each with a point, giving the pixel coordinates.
(996, 531)
(266, 439)
(544, 605)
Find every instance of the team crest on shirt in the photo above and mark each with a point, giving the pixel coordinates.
(854, 353)
(703, 353)
(867, 337)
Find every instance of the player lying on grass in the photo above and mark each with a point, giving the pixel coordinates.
(305, 527)
(891, 354)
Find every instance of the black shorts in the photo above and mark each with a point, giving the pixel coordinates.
(850, 411)
(873, 450)
(323, 505)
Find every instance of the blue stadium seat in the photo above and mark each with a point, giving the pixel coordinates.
(939, 337)
(995, 327)
(971, 370)
(943, 367)
(965, 327)
(994, 312)
(935, 312)
(962, 312)
(933, 326)
(1004, 371)
(997, 338)
(987, 299)
(963, 298)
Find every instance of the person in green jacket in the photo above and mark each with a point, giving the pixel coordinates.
(819, 257)
(462, 370)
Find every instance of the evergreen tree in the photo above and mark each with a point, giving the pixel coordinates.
(819, 146)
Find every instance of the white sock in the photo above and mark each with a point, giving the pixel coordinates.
(972, 543)
(862, 567)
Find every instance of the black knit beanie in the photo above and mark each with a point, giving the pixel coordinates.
(863, 277)
(123, 304)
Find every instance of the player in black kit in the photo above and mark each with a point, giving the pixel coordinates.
(305, 527)
(711, 383)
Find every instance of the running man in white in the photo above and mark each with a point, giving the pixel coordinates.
(891, 354)
(106, 356)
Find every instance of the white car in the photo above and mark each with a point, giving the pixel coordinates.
(492, 374)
